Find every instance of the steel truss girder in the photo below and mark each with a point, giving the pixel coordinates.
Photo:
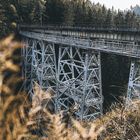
(134, 82)
(79, 76)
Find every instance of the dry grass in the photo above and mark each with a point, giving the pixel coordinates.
(12, 98)
(16, 123)
(121, 123)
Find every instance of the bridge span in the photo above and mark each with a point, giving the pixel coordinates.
(68, 59)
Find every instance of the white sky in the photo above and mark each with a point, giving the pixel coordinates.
(118, 4)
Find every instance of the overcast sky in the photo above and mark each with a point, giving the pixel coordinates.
(118, 4)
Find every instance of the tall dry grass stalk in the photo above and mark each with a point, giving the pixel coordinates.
(121, 123)
(12, 99)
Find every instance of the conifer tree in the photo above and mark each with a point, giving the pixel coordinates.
(54, 11)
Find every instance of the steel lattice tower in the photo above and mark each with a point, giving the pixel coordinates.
(39, 65)
(79, 75)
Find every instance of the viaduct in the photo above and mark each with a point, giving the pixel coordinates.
(68, 59)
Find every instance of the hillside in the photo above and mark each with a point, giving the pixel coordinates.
(136, 9)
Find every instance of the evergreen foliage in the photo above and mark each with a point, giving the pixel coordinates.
(63, 12)
(85, 13)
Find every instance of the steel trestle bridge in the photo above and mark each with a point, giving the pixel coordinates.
(68, 59)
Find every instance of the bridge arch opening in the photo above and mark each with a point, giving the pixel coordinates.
(115, 77)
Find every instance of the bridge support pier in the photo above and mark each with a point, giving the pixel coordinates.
(39, 65)
(134, 82)
(79, 76)
(44, 65)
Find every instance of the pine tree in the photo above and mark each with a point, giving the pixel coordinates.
(108, 20)
(69, 13)
(119, 19)
(3, 21)
(103, 16)
(37, 13)
(54, 11)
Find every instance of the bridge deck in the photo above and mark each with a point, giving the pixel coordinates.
(124, 43)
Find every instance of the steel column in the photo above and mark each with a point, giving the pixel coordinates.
(27, 63)
(134, 82)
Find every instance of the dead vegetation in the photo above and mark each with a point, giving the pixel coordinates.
(22, 120)
(12, 98)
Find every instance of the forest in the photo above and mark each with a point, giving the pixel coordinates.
(63, 12)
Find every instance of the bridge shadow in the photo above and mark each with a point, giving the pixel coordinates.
(115, 76)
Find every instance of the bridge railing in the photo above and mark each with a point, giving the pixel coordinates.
(126, 48)
(62, 35)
